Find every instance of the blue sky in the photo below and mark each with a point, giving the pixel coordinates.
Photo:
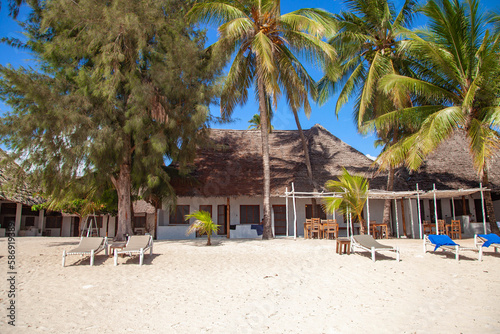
(343, 127)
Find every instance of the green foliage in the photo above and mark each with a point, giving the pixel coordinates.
(120, 86)
(353, 190)
(83, 200)
(203, 224)
(369, 33)
(456, 85)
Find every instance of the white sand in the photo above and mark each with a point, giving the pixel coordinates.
(251, 286)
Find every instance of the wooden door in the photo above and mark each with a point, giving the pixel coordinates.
(279, 219)
(222, 219)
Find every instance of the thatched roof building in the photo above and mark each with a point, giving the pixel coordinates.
(449, 167)
(13, 186)
(231, 165)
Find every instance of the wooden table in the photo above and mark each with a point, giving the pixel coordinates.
(383, 228)
(116, 245)
(343, 246)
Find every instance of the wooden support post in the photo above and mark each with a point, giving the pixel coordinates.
(404, 219)
(228, 212)
(464, 207)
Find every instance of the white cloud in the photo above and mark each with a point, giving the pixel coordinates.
(371, 157)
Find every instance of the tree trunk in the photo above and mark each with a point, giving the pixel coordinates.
(488, 203)
(315, 211)
(361, 225)
(264, 133)
(387, 203)
(123, 186)
(208, 239)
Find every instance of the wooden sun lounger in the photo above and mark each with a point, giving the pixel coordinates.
(451, 246)
(136, 244)
(88, 246)
(367, 243)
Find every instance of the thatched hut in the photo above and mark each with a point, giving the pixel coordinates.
(226, 180)
(227, 175)
(16, 199)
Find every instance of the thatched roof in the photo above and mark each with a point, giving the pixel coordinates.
(13, 186)
(232, 163)
(141, 206)
(449, 167)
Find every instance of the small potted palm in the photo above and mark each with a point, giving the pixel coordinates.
(203, 224)
(354, 191)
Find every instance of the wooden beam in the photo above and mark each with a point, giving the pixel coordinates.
(403, 214)
(464, 208)
(227, 218)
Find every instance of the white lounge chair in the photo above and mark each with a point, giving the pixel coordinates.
(446, 244)
(88, 246)
(486, 240)
(136, 244)
(368, 244)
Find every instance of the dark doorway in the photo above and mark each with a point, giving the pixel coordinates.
(222, 219)
(75, 221)
(279, 219)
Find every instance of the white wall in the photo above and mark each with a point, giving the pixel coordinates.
(496, 206)
(376, 212)
(66, 226)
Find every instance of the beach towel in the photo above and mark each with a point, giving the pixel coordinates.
(490, 239)
(259, 228)
(441, 240)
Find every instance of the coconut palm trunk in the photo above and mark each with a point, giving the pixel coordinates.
(305, 148)
(387, 202)
(488, 203)
(264, 133)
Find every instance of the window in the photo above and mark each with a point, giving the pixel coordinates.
(433, 209)
(30, 221)
(53, 222)
(207, 208)
(461, 207)
(178, 216)
(93, 220)
(139, 221)
(479, 210)
(321, 211)
(249, 214)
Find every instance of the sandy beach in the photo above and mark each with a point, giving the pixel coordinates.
(251, 286)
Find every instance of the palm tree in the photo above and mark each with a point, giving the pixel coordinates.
(366, 43)
(203, 224)
(255, 121)
(457, 88)
(354, 191)
(265, 44)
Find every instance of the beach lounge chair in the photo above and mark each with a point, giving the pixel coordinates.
(367, 243)
(486, 240)
(445, 243)
(88, 246)
(136, 244)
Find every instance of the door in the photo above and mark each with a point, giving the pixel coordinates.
(75, 221)
(222, 219)
(279, 219)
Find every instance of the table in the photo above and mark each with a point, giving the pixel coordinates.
(343, 246)
(116, 245)
(383, 228)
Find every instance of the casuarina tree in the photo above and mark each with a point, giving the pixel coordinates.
(119, 87)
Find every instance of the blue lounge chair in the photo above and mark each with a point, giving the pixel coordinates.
(486, 240)
(445, 243)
